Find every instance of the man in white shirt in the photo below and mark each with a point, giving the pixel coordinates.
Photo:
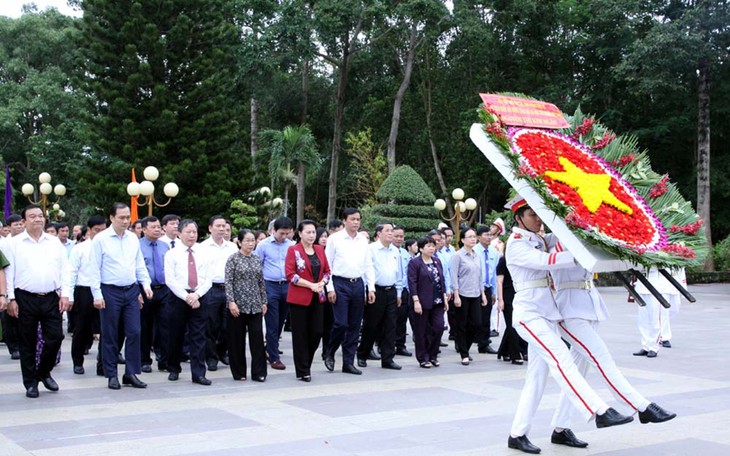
(78, 288)
(170, 223)
(34, 278)
(352, 270)
(15, 225)
(187, 277)
(217, 248)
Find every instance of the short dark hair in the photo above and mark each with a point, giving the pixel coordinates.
(304, 223)
(423, 241)
(409, 243)
(445, 229)
(483, 229)
(521, 211)
(396, 227)
(283, 223)
(13, 218)
(258, 233)
(334, 224)
(348, 211)
(186, 222)
(212, 220)
(49, 225)
(320, 231)
(95, 220)
(60, 225)
(147, 220)
(83, 232)
(379, 227)
(135, 223)
(169, 218)
(463, 233)
(115, 207)
(29, 207)
(434, 233)
(243, 232)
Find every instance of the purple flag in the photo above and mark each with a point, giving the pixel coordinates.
(8, 193)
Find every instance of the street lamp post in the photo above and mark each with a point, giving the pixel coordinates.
(461, 210)
(147, 189)
(46, 190)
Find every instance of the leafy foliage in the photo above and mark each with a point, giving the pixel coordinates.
(405, 186)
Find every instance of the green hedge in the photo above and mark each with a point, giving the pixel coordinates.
(410, 225)
(405, 186)
(404, 210)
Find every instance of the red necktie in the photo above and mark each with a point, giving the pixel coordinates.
(192, 271)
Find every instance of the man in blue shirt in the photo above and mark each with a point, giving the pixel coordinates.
(490, 257)
(120, 271)
(401, 321)
(272, 252)
(155, 331)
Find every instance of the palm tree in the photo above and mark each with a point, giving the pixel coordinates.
(292, 148)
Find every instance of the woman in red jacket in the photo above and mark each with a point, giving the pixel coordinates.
(308, 272)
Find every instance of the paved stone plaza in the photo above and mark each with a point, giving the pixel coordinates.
(450, 410)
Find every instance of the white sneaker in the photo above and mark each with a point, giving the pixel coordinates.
(465, 361)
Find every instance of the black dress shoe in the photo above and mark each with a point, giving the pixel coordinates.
(161, 367)
(79, 370)
(225, 360)
(362, 363)
(651, 354)
(329, 363)
(523, 444)
(15, 355)
(120, 359)
(305, 378)
(173, 376)
(494, 333)
(114, 383)
(391, 365)
(32, 391)
(351, 369)
(146, 368)
(373, 355)
(489, 350)
(612, 418)
(403, 352)
(666, 344)
(133, 381)
(443, 344)
(641, 352)
(212, 365)
(100, 372)
(259, 379)
(567, 438)
(202, 381)
(50, 383)
(655, 414)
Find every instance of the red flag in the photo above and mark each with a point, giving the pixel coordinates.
(133, 205)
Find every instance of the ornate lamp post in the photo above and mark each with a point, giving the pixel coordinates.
(46, 190)
(147, 189)
(462, 210)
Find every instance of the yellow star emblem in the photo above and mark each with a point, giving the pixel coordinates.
(593, 189)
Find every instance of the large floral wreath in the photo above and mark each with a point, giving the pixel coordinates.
(604, 189)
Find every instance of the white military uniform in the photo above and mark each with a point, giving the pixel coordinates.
(653, 319)
(582, 308)
(535, 318)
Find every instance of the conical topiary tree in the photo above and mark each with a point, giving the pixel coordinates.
(405, 200)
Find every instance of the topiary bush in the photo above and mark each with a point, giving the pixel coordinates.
(405, 186)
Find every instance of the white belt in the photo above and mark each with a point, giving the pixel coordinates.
(581, 285)
(530, 284)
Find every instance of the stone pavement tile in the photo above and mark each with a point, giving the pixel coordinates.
(683, 447)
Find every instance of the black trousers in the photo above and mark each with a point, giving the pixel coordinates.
(32, 310)
(10, 331)
(482, 337)
(468, 319)
(155, 326)
(183, 317)
(379, 319)
(512, 345)
(401, 320)
(215, 332)
(328, 318)
(237, 329)
(84, 313)
(306, 332)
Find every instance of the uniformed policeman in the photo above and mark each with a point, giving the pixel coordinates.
(653, 318)
(535, 318)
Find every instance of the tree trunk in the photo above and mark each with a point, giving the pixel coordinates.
(285, 208)
(300, 192)
(703, 155)
(337, 137)
(254, 127)
(395, 121)
(305, 92)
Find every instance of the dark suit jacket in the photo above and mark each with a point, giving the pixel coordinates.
(295, 269)
(420, 281)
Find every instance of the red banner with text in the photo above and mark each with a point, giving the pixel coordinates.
(523, 112)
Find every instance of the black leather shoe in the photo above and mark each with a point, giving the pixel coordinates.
(15, 355)
(494, 333)
(641, 352)
(259, 379)
(79, 370)
(50, 383)
(655, 414)
(489, 350)
(99, 372)
(173, 376)
(329, 363)
(202, 381)
(612, 418)
(225, 360)
(403, 352)
(374, 355)
(120, 359)
(391, 365)
(133, 381)
(212, 365)
(523, 444)
(305, 378)
(362, 363)
(114, 383)
(146, 368)
(567, 438)
(351, 369)
(443, 344)
(666, 344)
(161, 367)
(651, 354)
(32, 391)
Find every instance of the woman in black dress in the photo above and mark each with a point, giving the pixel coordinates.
(512, 346)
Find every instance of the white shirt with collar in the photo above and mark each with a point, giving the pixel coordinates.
(387, 265)
(176, 270)
(168, 240)
(37, 267)
(348, 257)
(218, 254)
(80, 268)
